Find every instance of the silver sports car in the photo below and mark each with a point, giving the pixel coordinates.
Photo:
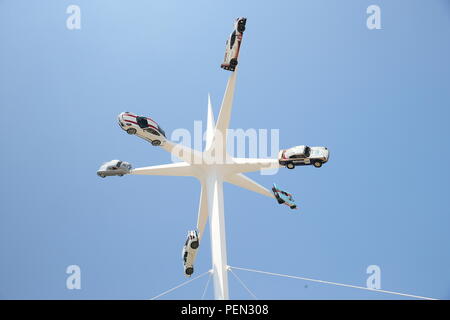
(114, 168)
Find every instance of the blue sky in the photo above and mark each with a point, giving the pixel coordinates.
(378, 99)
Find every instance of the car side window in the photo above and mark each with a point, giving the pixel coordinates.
(298, 155)
(153, 131)
(162, 131)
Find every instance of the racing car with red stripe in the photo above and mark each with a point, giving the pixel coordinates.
(143, 127)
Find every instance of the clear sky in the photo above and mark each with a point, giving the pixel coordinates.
(378, 99)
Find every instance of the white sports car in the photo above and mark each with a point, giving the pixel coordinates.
(233, 45)
(303, 155)
(190, 252)
(143, 127)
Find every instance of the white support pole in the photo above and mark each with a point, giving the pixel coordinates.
(214, 186)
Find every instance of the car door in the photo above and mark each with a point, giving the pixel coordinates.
(298, 159)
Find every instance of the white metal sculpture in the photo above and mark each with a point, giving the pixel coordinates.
(212, 168)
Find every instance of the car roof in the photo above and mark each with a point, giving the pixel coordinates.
(294, 150)
(133, 115)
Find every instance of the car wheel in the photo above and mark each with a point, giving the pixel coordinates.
(156, 143)
(102, 176)
(290, 165)
(189, 271)
(280, 201)
(131, 131)
(241, 28)
(194, 245)
(317, 164)
(233, 63)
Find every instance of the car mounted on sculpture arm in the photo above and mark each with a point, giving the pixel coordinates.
(143, 127)
(233, 45)
(190, 252)
(114, 168)
(283, 197)
(303, 155)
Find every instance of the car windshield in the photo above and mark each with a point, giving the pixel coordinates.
(119, 164)
(232, 39)
(142, 122)
(307, 151)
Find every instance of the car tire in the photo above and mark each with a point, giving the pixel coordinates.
(194, 244)
(317, 164)
(189, 271)
(241, 28)
(156, 143)
(233, 63)
(280, 201)
(131, 131)
(102, 176)
(290, 165)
